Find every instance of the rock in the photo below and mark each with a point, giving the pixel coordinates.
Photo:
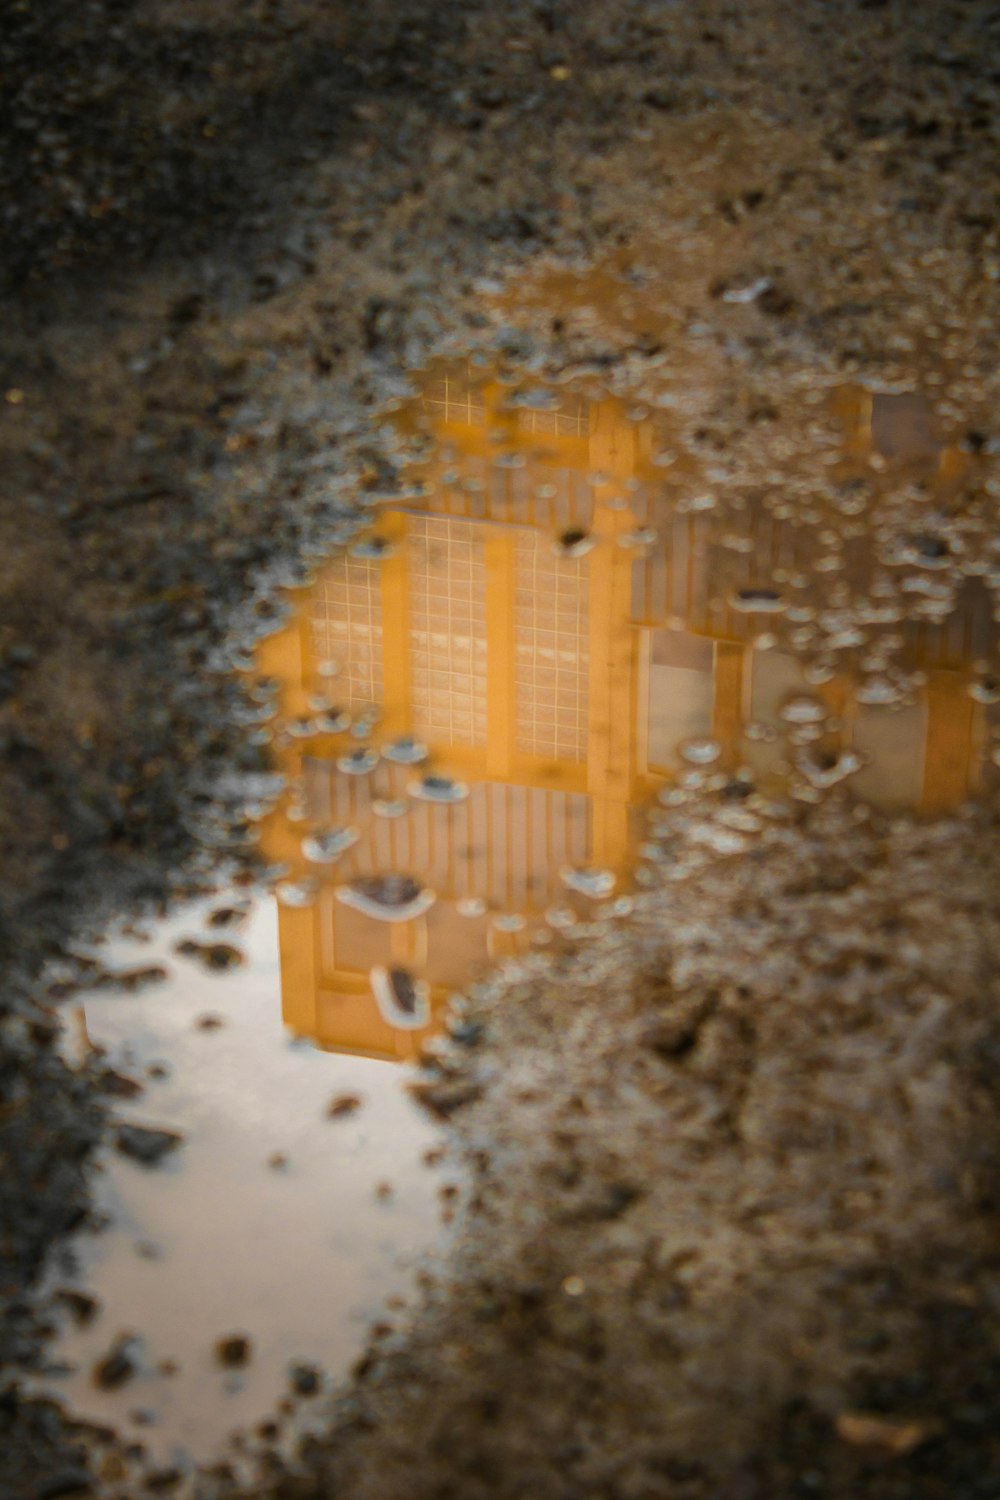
(391, 898)
(575, 542)
(443, 1097)
(891, 1437)
(82, 1307)
(234, 1351)
(119, 1084)
(467, 1033)
(402, 999)
(342, 1105)
(145, 1145)
(217, 956)
(118, 1365)
(304, 1379)
(131, 980)
(227, 916)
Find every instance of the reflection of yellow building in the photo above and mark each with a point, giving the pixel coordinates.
(556, 686)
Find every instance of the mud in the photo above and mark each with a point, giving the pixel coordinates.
(225, 240)
(731, 1231)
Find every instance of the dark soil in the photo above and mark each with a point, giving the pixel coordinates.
(227, 232)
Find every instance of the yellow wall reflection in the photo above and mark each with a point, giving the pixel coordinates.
(522, 620)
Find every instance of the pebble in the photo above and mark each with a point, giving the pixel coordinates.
(118, 1365)
(146, 1145)
(81, 1305)
(304, 1379)
(343, 1105)
(892, 1437)
(234, 1351)
(216, 956)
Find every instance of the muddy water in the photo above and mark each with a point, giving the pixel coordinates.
(270, 1219)
(558, 619)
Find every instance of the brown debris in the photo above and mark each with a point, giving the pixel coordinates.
(343, 1105)
(883, 1435)
(118, 1365)
(234, 1351)
(146, 1145)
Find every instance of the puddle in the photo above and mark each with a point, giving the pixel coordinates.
(550, 632)
(553, 624)
(296, 1201)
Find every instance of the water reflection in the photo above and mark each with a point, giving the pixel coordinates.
(555, 624)
(281, 1217)
(551, 626)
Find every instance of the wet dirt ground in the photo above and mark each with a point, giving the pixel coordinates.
(732, 1217)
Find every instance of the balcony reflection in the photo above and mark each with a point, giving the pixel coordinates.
(531, 647)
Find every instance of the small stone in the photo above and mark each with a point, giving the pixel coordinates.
(892, 1437)
(118, 1365)
(588, 881)
(342, 1105)
(736, 789)
(217, 956)
(371, 547)
(403, 1000)
(277, 1161)
(391, 897)
(83, 1308)
(304, 1379)
(210, 1022)
(758, 601)
(438, 789)
(357, 762)
(405, 751)
(443, 1098)
(226, 916)
(234, 1351)
(119, 1084)
(144, 1145)
(467, 1033)
(575, 542)
(327, 845)
(131, 980)
(986, 690)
